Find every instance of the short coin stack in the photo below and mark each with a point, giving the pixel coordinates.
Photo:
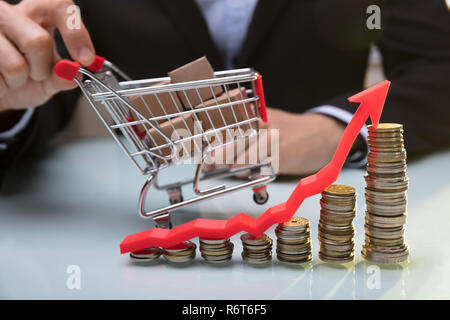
(216, 250)
(294, 241)
(181, 252)
(336, 231)
(146, 255)
(257, 250)
(386, 195)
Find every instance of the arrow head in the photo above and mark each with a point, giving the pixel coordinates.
(372, 100)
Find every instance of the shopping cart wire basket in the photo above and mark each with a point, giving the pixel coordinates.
(147, 140)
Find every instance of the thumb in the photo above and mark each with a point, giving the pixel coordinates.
(54, 84)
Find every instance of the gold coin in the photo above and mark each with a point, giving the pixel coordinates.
(385, 127)
(340, 189)
(296, 222)
(293, 241)
(252, 240)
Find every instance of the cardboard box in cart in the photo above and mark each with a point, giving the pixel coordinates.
(155, 105)
(199, 69)
(226, 115)
(212, 121)
(176, 129)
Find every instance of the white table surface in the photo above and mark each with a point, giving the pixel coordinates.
(76, 204)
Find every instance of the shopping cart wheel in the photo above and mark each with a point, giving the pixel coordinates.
(176, 200)
(260, 195)
(163, 221)
(175, 195)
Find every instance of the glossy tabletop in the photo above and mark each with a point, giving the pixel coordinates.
(64, 215)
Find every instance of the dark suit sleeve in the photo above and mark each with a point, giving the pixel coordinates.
(415, 46)
(47, 120)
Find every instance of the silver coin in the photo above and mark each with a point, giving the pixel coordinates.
(293, 257)
(217, 259)
(327, 259)
(335, 247)
(184, 246)
(148, 254)
(386, 220)
(252, 240)
(295, 262)
(253, 260)
(209, 241)
(179, 259)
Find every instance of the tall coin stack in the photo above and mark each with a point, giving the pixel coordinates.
(294, 241)
(181, 252)
(336, 231)
(216, 250)
(386, 199)
(257, 250)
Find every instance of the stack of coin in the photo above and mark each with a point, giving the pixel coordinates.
(146, 255)
(336, 232)
(216, 250)
(257, 250)
(181, 252)
(386, 195)
(294, 241)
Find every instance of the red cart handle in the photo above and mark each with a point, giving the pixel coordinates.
(262, 101)
(68, 70)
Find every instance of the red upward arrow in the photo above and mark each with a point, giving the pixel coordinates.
(371, 104)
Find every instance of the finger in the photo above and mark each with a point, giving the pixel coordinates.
(56, 55)
(13, 66)
(263, 125)
(55, 84)
(3, 87)
(66, 17)
(33, 41)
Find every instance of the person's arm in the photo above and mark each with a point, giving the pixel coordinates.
(27, 79)
(358, 155)
(306, 141)
(415, 46)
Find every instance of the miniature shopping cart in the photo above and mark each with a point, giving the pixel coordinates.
(138, 135)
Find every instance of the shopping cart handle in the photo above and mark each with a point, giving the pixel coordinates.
(97, 65)
(262, 110)
(68, 70)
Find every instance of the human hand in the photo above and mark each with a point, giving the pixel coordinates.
(306, 142)
(28, 52)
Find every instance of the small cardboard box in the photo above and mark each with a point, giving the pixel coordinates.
(145, 104)
(185, 128)
(199, 69)
(215, 119)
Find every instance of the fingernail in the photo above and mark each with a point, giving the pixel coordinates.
(86, 55)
